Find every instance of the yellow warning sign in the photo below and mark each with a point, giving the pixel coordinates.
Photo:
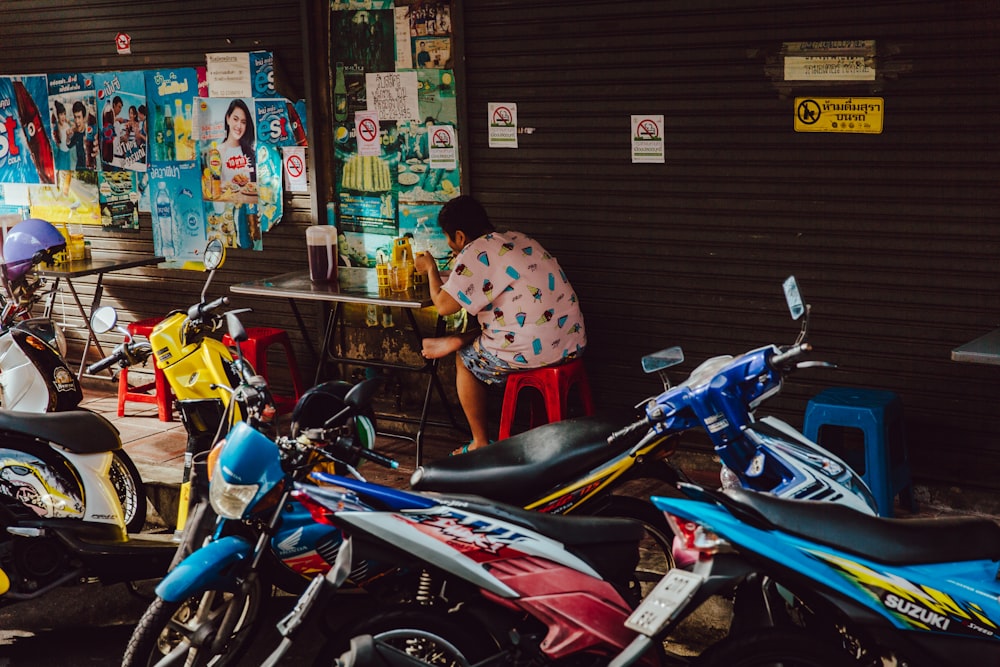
(862, 115)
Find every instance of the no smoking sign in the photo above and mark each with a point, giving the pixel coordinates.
(294, 159)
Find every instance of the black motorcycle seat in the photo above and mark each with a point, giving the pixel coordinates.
(609, 544)
(521, 468)
(79, 431)
(883, 540)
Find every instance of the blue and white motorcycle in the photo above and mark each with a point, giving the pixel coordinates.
(849, 588)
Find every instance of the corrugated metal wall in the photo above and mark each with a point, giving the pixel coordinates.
(894, 237)
(43, 36)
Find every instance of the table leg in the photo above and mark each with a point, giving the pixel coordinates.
(91, 336)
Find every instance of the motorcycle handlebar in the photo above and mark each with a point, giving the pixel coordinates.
(777, 360)
(196, 311)
(107, 362)
(380, 459)
(628, 430)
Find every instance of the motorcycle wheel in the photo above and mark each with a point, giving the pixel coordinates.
(656, 554)
(165, 624)
(426, 636)
(774, 648)
(130, 489)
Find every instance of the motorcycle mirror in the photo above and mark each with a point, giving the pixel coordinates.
(235, 327)
(662, 359)
(103, 319)
(793, 297)
(215, 255)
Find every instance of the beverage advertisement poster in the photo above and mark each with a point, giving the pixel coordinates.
(226, 139)
(170, 95)
(122, 111)
(119, 200)
(278, 125)
(73, 117)
(26, 151)
(179, 229)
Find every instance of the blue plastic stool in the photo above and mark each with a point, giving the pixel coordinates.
(884, 462)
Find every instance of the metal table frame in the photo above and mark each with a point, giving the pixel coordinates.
(78, 268)
(358, 286)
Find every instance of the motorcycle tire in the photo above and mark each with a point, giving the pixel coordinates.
(164, 624)
(789, 648)
(656, 554)
(434, 638)
(130, 489)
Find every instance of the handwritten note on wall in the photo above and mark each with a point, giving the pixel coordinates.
(393, 95)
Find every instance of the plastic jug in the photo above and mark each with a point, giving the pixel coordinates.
(321, 242)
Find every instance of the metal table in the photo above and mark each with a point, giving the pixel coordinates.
(78, 268)
(358, 286)
(983, 350)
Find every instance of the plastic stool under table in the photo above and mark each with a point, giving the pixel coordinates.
(554, 383)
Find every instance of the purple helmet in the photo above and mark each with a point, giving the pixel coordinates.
(23, 243)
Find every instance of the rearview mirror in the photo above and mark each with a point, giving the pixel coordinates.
(662, 359)
(215, 255)
(793, 298)
(103, 319)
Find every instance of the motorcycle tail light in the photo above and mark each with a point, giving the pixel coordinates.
(695, 536)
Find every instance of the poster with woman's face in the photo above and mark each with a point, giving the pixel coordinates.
(226, 134)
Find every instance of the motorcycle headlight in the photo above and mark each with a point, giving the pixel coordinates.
(230, 501)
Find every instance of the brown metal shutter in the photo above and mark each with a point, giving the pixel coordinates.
(49, 36)
(893, 237)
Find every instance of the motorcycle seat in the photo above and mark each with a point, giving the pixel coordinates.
(883, 540)
(79, 431)
(523, 467)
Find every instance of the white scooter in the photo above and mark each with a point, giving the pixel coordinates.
(34, 379)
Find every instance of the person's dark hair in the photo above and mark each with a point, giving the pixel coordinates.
(60, 107)
(79, 107)
(247, 140)
(466, 214)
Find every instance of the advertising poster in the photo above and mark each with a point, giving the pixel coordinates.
(119, 200)
(365, 43)
(170, 95)
(121, 108)
(179, 229)
(74, 200)
(430, 32)
(227, 147)
(73, 117)
(26, 152)
(278, 125)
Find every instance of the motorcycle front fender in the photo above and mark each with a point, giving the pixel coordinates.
(211, 566)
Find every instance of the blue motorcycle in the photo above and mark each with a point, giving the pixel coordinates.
(251, 534)
(839, 587)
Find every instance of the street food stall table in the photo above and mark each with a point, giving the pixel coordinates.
(983, 350)
(361, 289)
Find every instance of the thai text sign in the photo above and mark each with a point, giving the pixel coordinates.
(860, 115)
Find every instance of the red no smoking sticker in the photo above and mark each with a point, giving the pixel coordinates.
(367, 132)
(295, 166)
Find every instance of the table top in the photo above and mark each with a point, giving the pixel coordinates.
(983, 350)
(95, 265)
(356, 285)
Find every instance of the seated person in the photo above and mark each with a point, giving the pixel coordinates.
(528, 313)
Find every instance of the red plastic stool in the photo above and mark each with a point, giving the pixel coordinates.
(255, 351)
(554, 383)
(157, 391)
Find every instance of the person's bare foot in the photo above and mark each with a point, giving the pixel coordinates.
(436, 348)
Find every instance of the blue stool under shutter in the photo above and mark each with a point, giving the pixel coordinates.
(884, 462)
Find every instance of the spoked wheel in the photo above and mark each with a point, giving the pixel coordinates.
(775, 648)
(169, 626)
(656, 549)
(426, 636)
(130, 489)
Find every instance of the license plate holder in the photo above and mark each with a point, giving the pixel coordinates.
(670, 595)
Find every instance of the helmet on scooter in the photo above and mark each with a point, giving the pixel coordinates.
(325, 400)
(25, 241)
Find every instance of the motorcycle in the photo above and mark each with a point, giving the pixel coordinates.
(522, 587)
(34, 379)
(578, 464)
(844, 588)
(207, 606)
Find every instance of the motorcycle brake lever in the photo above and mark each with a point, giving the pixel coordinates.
(816, 364)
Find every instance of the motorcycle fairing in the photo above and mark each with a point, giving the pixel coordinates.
(41, 482)
(210, 567)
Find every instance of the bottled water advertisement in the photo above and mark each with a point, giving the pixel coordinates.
(178, 216)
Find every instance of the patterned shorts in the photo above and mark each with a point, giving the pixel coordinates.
(487, 367)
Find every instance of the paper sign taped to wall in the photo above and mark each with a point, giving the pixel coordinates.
(393, 95)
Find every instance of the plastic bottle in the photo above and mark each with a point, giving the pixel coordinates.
(340, 95)
(421, 236)
(168, 133)
(215, 169)
(165, 220)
